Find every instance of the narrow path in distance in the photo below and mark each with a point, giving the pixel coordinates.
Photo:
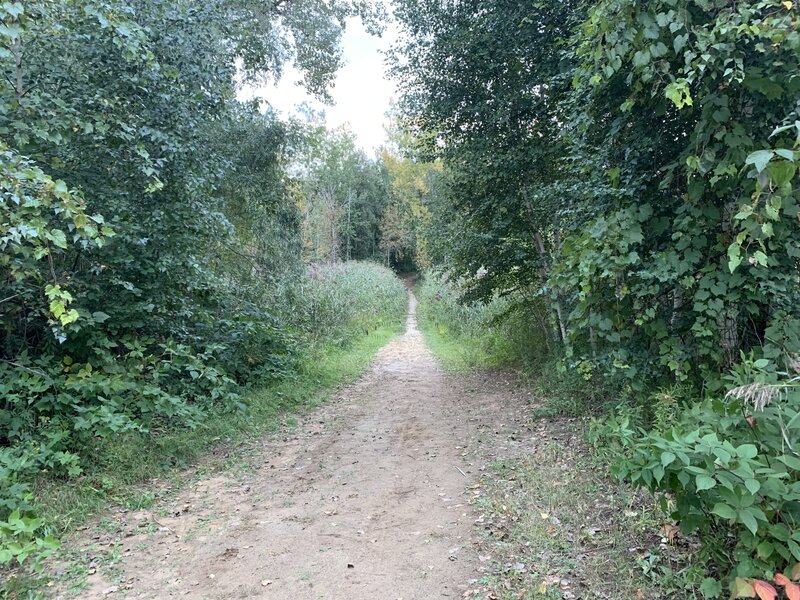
(366, 499)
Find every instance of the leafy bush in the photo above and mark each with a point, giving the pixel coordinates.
(149, 226)
(729, 469)
(20, 539)
(59, 407)
(511, 331)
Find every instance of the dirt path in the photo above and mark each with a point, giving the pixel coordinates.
(366, 499)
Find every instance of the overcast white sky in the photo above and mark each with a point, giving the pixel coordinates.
(362, 93)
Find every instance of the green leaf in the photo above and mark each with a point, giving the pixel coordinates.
(779, 532)
(57, 308)
(782, 173)
(678, 92)
(641, 58)
(710, 588)
(13, 9)
(748, 520)
(667, 458)
(759, 159)
(765, 549)
(723, 510)
(10, 31)
(742, 588)
(790, 461)
(704, 482)
(734, 256)
(752, 486)
(747, 451)
(794, 548)
(745, 212)
(70, 317)
(58, 238)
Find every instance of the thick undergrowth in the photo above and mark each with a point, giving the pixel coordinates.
(356, 308)
(554, 522)
(624, 176)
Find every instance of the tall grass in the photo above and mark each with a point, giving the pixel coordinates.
(346, 300)
(500, 332)
(505, 332)
(346, 313)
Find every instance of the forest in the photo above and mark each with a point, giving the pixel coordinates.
(598, 196)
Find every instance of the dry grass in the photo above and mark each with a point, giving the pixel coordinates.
(556, 526)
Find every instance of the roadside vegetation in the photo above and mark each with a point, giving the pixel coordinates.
(603, 195)
(357, 308)
(170, 257)
(554, 522)
(617, 212)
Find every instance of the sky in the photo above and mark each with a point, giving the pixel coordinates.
(362, 93)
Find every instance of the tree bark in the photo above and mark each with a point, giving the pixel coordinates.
(537, 237)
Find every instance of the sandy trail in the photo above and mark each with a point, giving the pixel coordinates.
(365, 499)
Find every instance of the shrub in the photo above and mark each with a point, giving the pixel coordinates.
(728, 468)
(59, 406)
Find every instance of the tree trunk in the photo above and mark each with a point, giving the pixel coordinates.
(727, 325)
(537, 237)
(349, 233)
(19, 86)
(330, 205)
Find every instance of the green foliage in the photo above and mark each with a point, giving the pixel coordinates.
(704, 222)
(482, 83)
(630, 169)
(463, 335)
(729, 468)
(350, 299)
(120, 466)
(478, 334)
(149, 238)
(343, 196)
(19, 539)
(133, 457)
(502, 333)
(661, 211)
(406, 227)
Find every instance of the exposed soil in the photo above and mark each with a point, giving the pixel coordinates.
(366, 498)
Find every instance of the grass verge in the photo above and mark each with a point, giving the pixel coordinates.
(461, 355)
(553, 524)
(124, 465)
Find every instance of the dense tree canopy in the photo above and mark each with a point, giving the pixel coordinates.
(671, 135)
(150, 239)
(624, 173)
(631, 168)
(342, 197)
